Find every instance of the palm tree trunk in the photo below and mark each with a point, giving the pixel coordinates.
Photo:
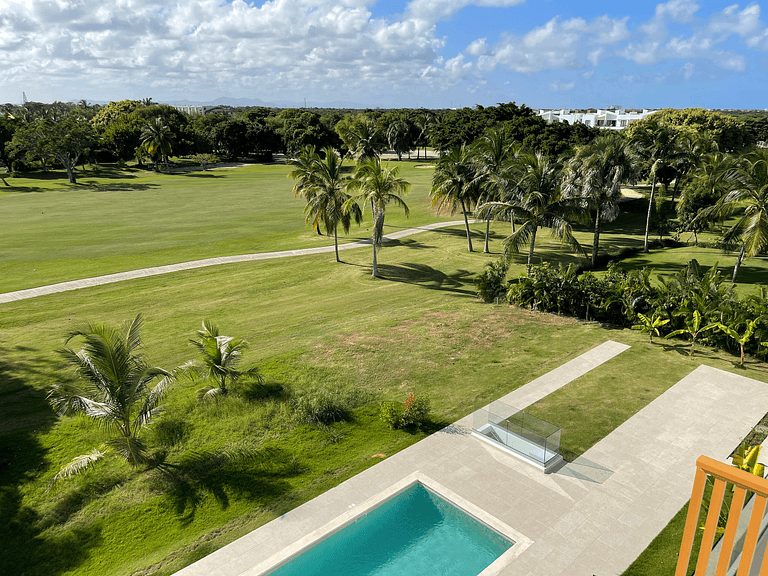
(512, 221)
(487, 230)
(738, 262)
(530, 251)
(375, 263)
(336, 244)
(648, 219)
(596, 240)
(466, 225)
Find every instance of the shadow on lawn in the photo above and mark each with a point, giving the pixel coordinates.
(117, 186)
(25, 414)
(200, 175)
(428, 277)
(258, 475)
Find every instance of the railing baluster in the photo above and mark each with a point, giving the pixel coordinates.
(737, 503)
(753, 531)
(691, 521)
(710, 527)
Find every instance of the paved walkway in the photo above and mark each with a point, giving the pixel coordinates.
(157, 270)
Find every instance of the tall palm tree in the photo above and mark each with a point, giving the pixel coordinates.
(750, 199)
(595, 173)
(158, 139)
(377, 186)
(220, 356)
(115, 387)
(493, 154)
(399, 136)
(539, 203)
(363, 139)
(322, 182)
(658, 145)
(456, 184)
(713, 178)
(303, 172)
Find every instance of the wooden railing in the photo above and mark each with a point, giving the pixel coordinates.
(742, 482)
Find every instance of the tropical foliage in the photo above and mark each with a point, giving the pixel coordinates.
(114, 387)
(220, 357)
(377, 186)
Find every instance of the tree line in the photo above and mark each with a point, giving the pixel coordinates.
(37, 136)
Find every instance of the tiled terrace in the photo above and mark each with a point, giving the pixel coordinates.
(577, 526)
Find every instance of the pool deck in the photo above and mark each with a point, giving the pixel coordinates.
(579, 522)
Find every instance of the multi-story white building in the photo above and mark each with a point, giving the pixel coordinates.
(612, 118)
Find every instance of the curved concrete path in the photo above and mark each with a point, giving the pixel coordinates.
(167, 269)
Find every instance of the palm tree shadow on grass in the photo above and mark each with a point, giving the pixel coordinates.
(259, 476)
(25, 414)
(428, 277)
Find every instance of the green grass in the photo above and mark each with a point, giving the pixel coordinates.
(311, 323)
(53, 231)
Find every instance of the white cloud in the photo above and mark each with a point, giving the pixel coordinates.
(656, 45)
(259, 50)
(435, 10)
(556, 44)
(558, 86)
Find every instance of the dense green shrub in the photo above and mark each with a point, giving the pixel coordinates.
(492, 282)
(323, 405)
(619, 297)
(414, 413)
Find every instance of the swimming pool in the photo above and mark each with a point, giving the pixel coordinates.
(414, 532)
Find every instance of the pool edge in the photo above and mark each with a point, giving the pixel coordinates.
(288, 553)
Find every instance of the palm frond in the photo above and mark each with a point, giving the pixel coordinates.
(77, 465)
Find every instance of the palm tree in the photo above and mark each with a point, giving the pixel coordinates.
(399, 137)
(322, 183)
(658, 145)
(456, 183)
(363, 139)
(303, 172)
(539, 202)
(157, 138)
(711, 181)
(596, 173)
(377, 186)
(494, 153)
(220, 356)
(114, 387)
(750, 197)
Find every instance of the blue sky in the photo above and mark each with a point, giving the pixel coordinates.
(432, 53)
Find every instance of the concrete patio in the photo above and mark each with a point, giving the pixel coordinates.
(578, 523)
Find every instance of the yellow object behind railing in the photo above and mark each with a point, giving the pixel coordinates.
(742, 481)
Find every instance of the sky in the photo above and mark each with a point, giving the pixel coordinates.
(403, 53)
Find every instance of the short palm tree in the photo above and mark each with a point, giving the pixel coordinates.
(456, 184)
(595, 173)
(157, 139)
(377, 186)
(539, 202)
(322, 182)
(115, 387)
(220, 356)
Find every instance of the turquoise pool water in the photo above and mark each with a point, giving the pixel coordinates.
(416, 533)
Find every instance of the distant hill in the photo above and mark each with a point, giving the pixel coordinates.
(243, 102)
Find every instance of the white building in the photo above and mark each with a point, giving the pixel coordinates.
(203, 110)
(612, 118)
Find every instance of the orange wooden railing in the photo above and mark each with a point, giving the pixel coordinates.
(742, 481)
